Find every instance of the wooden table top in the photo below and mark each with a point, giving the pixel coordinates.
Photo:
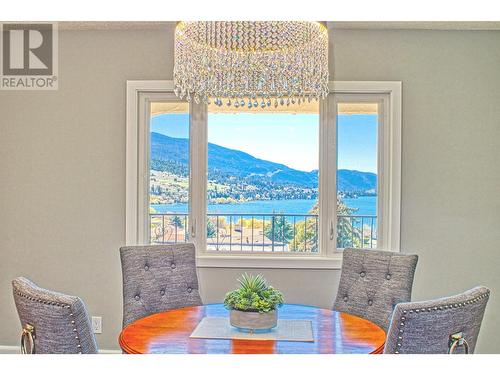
(169, 331)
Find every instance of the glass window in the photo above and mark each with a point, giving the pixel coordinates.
(169, 172)
(357, 170)
(262, 183)
(303, 180)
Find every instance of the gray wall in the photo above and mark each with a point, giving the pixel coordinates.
(62, 168)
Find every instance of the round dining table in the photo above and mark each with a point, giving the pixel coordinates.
(169, 332)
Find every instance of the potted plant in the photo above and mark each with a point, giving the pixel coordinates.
(253, 306)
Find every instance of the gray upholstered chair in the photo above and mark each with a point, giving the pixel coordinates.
(52, 323)
(373, 282)
(158, 278)
(436, 326)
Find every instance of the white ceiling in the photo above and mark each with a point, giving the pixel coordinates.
(367, 25)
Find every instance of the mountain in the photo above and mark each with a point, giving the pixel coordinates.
(356, 181)
(171, 155)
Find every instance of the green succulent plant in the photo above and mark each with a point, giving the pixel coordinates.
(253, 295)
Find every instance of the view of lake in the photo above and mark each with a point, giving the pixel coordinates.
(365, 205)
(252, 180)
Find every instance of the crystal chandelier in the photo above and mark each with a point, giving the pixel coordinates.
(244, 63)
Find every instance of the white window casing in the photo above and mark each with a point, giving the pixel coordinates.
(387, 94)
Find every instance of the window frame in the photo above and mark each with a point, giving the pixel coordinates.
(141, 93)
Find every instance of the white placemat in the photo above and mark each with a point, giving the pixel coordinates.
(286, 330)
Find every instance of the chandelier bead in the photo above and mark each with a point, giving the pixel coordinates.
(250, 60)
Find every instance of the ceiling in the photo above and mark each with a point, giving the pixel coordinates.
(367, 25)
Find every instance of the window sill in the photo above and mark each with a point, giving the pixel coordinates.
(286, 262)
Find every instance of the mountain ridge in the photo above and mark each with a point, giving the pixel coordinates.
(171, 154)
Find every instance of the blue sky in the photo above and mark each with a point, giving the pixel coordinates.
(284, 138)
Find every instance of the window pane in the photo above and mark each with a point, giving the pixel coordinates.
(263, 180)
(357, 138)
(169, 172)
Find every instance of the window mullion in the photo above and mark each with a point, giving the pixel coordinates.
(198, 175)
(327, 176)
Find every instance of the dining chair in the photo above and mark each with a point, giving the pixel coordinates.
(52, 322)
(158, 278)
(445, 325)
(373, 282)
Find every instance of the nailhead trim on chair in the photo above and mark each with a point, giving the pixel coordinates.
(399, 341)
(39, 300)
(368, 283)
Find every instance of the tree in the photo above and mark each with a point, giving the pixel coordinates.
(177, 221)
(279, 229)
(348, 234)
(211, 230)
(248, 223)
(306, 235)
(215, 223)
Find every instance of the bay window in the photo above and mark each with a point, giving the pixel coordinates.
(286, 187)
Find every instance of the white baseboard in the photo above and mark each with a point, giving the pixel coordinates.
(109, 351)
(12, 349)
(6, 349)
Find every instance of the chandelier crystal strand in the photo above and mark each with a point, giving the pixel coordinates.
(253, 64)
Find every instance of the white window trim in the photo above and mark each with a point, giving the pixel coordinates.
(389, 180)
(137, 177)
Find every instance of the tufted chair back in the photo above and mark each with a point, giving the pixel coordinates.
(433, 327)
(373, 282)
(158, 278)
(58, 323)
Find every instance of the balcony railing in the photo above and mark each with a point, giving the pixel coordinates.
(265, 232)
(358, 231)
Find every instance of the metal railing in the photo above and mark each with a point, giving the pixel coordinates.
(169, 228)
(358, 231)
(262, 232)
(271, 232)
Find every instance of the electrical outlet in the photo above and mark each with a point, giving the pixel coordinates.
(97, 324)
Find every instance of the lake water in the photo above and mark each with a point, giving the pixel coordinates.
(365, 205)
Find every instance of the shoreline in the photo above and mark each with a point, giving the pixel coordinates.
(365, 205)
